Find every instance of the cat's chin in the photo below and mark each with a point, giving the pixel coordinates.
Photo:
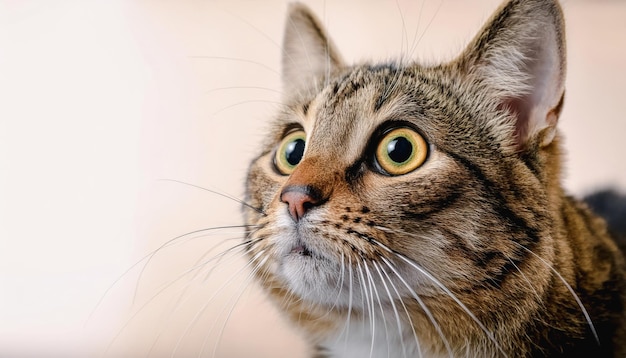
(302, 265)
(309, 275)
(310, 265)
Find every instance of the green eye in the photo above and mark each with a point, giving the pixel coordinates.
(401, 151)
(290, 152)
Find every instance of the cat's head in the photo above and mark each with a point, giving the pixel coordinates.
(406, 180)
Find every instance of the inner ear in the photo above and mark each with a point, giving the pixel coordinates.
(527, 127)
(520, 56)
(520, 108)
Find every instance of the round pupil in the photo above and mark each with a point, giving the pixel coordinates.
(294, 151)
(399, 149)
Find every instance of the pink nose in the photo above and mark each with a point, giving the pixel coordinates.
(299, 199)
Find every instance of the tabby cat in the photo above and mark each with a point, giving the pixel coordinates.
(402, 210)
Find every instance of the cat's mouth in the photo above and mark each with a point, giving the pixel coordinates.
(301, 250)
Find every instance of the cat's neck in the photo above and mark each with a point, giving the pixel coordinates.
(380, 336)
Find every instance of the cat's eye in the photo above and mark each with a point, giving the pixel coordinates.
(401, 151)
(290, 152)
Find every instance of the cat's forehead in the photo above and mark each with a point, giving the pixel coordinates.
(345, 113)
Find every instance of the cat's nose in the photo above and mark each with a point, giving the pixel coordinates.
(300, 199)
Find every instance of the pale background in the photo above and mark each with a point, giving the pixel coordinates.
(100, 100)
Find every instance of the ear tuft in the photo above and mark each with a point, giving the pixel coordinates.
(308, 52)
(520, 55)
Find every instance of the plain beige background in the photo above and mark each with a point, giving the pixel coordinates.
(100, 101)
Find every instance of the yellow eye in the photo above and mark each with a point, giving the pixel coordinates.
(290, 152)
(401, 151)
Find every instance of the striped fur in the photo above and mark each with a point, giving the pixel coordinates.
(478, 252)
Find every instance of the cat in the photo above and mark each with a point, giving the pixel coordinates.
(402, 210)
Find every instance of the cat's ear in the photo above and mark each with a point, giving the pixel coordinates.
(308, 52)
(520, 55)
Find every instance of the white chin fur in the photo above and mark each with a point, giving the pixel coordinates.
(321, 278)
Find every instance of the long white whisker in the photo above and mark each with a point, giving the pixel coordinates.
(165, 287)
(327, 75)
(380, 305)
(265, 35)
(200, 263)
(151, 256)
(406, 311)
(416, 43)
(242, 287)
(234, 59)
(218, 89)
(393, 305)
(247, 242)
(404, 37)
(569, 288)
(343, 274)
(365, 299)
(247, 102)
(168, 243)
(539, 299)
(206, 304)
(453, 296)
(372, 309)
(220, 193)
(417, 26)
(339, 286)
(428, 313)
(350, 296)
(438, 283)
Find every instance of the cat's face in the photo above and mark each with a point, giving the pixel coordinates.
(384, 175)
(385, 181)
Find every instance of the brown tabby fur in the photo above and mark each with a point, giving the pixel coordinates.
(482, 227)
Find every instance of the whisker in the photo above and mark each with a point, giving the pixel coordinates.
(416, 43)
(234, 59)
(217, 89)
(569, 288)
(247, 241)
(210, 300)
(327, 77)
(443, 288)
(165, 287)
(343, 274)
(247, 102)
(350, 296)
(404, 37)
(180, 301)
(183, 293)
(453, 296)
(364, 297)
(382, 311)
(427, 311)
(222, 194)
(395, 310)
(372, 312)
(539, 299)
(338, 288)
(417, 27)
(262, 33)
(243, 287)
(147, 256)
